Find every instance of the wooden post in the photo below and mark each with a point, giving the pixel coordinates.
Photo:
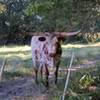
(2, 68)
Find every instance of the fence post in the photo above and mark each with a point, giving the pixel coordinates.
(67, 79)
(2, 68)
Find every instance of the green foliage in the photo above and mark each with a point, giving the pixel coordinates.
(2, 8)
(89, 37)
(20, 16)
(53, 13)
(86, 81)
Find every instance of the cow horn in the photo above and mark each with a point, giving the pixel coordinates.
(67, 33)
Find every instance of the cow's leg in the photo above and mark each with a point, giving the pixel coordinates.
(56, 72)
(47, 75)
(41, 71)
(36, 75)
(36, 68)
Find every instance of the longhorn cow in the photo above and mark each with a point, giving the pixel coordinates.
(46, 52)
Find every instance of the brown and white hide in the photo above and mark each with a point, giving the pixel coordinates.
(46, 52)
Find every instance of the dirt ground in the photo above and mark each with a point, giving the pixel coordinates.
(22, 89)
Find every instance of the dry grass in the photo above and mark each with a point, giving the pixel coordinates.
(24, 51)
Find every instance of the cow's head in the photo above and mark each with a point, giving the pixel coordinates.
(54, 40)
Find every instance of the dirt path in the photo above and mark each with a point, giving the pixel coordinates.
(22, 89)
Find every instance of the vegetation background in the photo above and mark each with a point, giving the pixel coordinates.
(19, 17)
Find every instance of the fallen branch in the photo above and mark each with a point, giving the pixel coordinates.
(2, 68)
(67, 79)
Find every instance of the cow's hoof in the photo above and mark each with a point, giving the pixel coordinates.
(36, 81)
(56, 82)
(47, 85)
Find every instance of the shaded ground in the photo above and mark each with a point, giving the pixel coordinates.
(22, 89)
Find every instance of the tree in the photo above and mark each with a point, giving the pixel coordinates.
(66, 15)
(21, 16)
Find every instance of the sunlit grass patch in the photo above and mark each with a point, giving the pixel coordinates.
(82, 52)
(19, 57)
(81, 45)
(18, 60)
(14, 48)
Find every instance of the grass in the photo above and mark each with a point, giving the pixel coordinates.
(19, 64)
(19, 57)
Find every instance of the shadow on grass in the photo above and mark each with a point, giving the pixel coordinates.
(17, 74)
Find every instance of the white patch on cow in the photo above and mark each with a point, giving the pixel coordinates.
(41, 50)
